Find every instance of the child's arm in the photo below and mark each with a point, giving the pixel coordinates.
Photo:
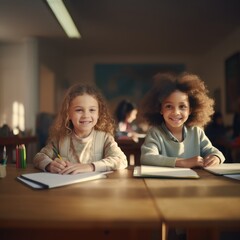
(113, 156)
(74, 168)
(56, 166)
(195, 161)
(154, 151)
(198, 161)
(47, 160)
(211, 160)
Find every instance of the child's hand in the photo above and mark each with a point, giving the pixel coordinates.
(57, 165)
(74, 168)
(195, 161)
(211, 160)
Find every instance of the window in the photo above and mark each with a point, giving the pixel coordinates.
(18, 118)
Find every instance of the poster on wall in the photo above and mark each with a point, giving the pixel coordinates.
(232, 78)
(129, 81)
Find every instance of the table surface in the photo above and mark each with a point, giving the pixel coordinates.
(208, 201)
(120, 202)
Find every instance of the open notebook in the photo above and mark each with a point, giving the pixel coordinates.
(164, 172)
(43, 180)
(224, 169)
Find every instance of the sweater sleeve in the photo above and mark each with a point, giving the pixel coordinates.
(152, 151)
(113, 157)
(44, 157)
(47, 155)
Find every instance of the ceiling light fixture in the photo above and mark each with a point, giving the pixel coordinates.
(64, 18)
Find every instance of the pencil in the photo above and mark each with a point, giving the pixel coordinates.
(17, 157)
(24, 156)
(56, 151)
(5, 157)
(4, 152)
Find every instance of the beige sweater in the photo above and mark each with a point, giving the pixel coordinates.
(98, 148)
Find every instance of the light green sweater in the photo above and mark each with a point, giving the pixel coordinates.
(160, 148)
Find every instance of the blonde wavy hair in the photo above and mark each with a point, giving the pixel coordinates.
(63, 125)
(201, 104)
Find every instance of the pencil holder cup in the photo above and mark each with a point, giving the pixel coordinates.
(3, 172)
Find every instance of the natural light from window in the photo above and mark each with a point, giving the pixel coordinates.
(18, 118)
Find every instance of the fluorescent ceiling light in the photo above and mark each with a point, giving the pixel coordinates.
(64, 18)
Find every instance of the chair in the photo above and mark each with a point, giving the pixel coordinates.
(131, 149)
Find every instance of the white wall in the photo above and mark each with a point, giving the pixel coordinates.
(19, 80)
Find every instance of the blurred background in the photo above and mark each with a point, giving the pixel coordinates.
(122, 45)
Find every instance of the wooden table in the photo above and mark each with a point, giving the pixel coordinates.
(118, 207)
(204, 206)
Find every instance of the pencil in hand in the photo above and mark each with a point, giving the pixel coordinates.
(56, 151)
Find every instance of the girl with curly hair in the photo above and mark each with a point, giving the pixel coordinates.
(177, 108)
(81, 138)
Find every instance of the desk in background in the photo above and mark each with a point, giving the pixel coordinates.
(234, 149)
(12, 142)
(131, 149)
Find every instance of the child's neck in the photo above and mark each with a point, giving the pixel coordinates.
(177, 133)
(82, 135)
(178, 136)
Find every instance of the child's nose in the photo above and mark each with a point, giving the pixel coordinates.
(176, 110)
(85, 113)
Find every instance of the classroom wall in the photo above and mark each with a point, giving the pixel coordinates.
(19, 81)
(52, 73)
(209, 66)
(46, 90)
(20, 65)
(81, 69)
(212, 67)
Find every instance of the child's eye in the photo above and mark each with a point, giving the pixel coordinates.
(92, 110)
(183, 107)
(168, 106)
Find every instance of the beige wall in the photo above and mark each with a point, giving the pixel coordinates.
(209, 66)
(21, 74)
(46, 90)
(82, 68)
(19, 81)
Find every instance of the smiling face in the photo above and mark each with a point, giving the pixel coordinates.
(175, 110)
(84, 113)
